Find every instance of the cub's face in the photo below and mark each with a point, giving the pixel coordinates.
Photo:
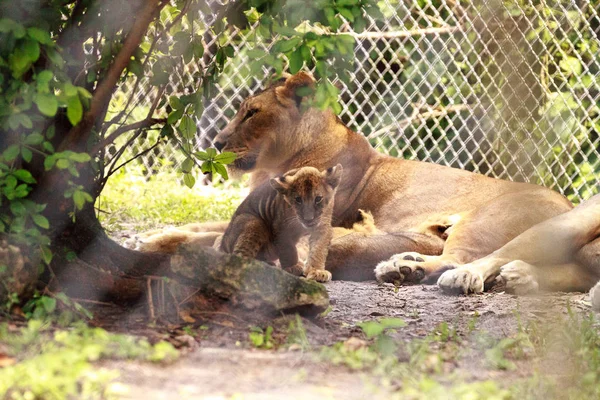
(263, 122)
(309, 191)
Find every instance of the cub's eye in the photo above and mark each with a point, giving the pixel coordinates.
(250, 113)
(299, 200)
(318, 199)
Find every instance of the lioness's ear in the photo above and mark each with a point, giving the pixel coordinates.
(279, 184)
(333, 175)
(294, 88)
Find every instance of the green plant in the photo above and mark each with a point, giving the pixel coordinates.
(59, 365)
(261, 339)
(296, 334)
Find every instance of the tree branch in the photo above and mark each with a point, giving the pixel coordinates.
(104, 91)
(145, 123)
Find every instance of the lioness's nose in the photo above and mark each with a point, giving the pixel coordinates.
(219, 145)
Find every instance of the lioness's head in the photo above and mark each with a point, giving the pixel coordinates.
(309, 191)
(262, 127)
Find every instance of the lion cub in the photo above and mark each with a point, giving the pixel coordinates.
(271, 220)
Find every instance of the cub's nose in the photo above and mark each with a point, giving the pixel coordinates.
(219, 145)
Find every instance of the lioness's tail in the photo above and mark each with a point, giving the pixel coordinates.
(595, 297)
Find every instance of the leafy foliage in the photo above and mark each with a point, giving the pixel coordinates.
(59, 365)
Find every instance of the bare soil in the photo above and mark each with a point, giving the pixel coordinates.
(220, 361)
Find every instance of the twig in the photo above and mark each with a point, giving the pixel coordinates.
(175, 302)
(182, 302)
(111, 172)
(149, 297)
(102, 303)
(145, 123)
(417, 116)
(403, 34)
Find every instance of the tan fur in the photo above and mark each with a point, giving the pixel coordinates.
(561, 253)
(366, 227)
(166, 240)
(271, 220)
(413, 203)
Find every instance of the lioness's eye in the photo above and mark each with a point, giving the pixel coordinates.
(299, 200)
(250, 113)
(318, 199)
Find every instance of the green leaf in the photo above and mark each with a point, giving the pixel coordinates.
(80, 157)
(63, 163)
(40, 35)
(31, 50)
(48, 303)
(225, 157)
(11, 152)
(221, 170)
(49, 162)
(26, 154)
(136, 68)
(296, 60)
(229, 51)
(346, 13)
(206, 167)
(74, 110)
(10, 182)
(70, 89)
(201, 155)
(41, 221)
(187, 165)
(83, 92)
(571, 65)
(189, 180)
(175, 102)
(211, 153)
(47, 104)
(34, 139)
(17, 208)
(78, 199)
(187, 127)
(175, 116)
(24, 176)
(285, 45)
(46, 254)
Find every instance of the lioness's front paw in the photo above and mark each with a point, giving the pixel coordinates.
(319, 275)
(398, 269)
(461, 281)
(519, 278)
(296, 270)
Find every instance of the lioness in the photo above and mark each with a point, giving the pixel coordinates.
(271, 220)
(452, 216)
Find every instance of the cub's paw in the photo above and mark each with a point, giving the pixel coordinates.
(461, 281)
(400, 268)
(519, 277)
(297, 270)
(319, 275)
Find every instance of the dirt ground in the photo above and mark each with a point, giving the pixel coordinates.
(220, 363)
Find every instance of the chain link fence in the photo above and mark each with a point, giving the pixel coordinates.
(507, 89)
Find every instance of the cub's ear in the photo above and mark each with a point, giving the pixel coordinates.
(279, 184)
(294, 88)
(333, 175)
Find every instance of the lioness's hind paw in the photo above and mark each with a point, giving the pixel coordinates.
(319, 275)
(461, 281)
(519, 278)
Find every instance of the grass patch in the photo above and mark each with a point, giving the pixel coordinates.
(58, 365)
(131, 200)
